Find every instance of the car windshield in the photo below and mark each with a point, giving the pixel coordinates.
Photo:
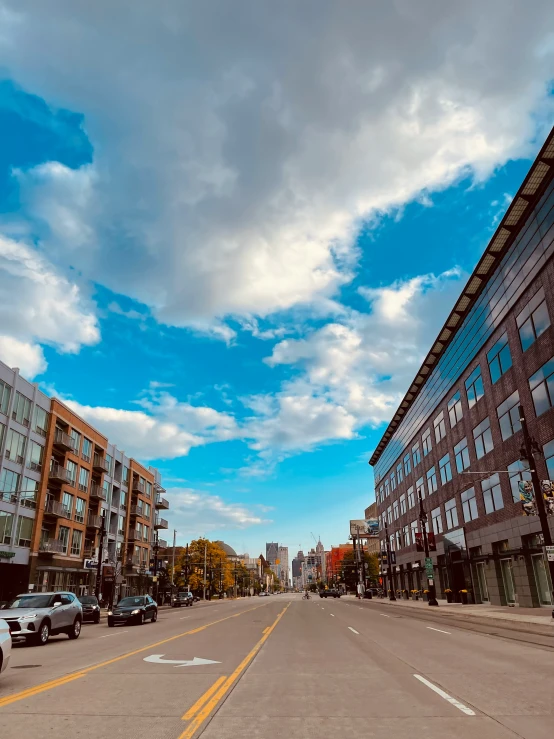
(88, 600)
(183, 595)
(30, 601)
(131, 602)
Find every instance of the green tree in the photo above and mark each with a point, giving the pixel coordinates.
(349, 572)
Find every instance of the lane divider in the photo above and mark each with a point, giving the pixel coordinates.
(211, 702)
(193, 710)
(354, 630)
(453, 701)
(441, 631)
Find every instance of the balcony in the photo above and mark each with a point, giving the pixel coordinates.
(162, 503)
(136, 510)
(55, 509)
(94, 522)
(89, 552)
(99, 464)
(138, 486)
(161, 523)
(133, 561)
(134, 535)
(162, 543)
(51, 546)
(96, 492)
(58, 473)
(63, 441)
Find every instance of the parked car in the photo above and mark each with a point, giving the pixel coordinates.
(133, 610)
(182, 599)
(91, 608)
(5, 645)
(34, 617)
(263, 593)
(332, 593)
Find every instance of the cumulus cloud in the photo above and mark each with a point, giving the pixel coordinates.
(38, 305)
(238, 149)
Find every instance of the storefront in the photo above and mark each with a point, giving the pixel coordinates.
(14, 576)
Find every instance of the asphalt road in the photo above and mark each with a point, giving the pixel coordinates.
(281, 667)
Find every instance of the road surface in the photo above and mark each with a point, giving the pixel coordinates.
(279, 667)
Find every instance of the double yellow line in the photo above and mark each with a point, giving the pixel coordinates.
(208, 702)
(81, 673)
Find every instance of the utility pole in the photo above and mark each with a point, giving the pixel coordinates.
(156, 548)
(530, 445)
(99, 563)
(432, 600)
(205, 563)
(173, 561)
(392, 595)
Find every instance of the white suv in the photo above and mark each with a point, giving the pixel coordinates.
(5, 645)
(36, 616)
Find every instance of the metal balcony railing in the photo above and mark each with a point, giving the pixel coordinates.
(51, 546)
(57, 473)
(62, 440)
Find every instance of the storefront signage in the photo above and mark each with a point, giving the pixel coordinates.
(527, 497)
(7, 555)
(90, 564)
(550, 553)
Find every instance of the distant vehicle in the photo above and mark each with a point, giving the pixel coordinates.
(332, 593)
(371, 593)
(182, 599)
(91, 608)
(5, 645)
(34, 617)
(134, 609)
(263, 593)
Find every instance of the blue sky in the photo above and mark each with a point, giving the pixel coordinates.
(231, 256)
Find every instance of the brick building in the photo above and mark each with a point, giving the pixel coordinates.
(456, 436)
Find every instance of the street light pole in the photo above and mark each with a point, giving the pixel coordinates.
(205, 563)
(531, 445)
(432, 600)
(99, 563)
(156, 548)
(392, 595)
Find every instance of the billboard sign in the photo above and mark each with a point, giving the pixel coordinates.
(527, 497)
(361, 528)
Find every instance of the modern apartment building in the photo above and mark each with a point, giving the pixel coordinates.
(456, 437)
(67, 497)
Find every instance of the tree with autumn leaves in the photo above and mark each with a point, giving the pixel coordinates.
(221, 573)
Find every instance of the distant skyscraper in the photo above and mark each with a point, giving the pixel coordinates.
(272, 552)
(284, 575)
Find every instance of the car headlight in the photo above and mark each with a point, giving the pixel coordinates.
(135, 612)
(96, 608)
(110, 613)
(28, 616)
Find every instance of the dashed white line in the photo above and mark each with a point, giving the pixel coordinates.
(354, 630)
(442, 632)
(183, 618)
(332, 614)
(386, 615)
(108, 635)
(449, 698)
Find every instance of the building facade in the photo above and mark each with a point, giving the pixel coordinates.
(283, 571)
(67, 498)
(456, 438)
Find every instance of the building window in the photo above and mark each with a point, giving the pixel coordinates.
(149, 488)
(76, 440)
(406, 536)
(533, 320)
(499, 358)
(22, 410)
(24, 531)
(387, 488)
(6, 522)
(437, 520)
(146, 533)
(474, 387)
(414, 529)
(147, 510)
(451, 513)
(389, 515)
(398, 540)
(9, 484)
(455, 411)
(492, 494)
(35, 456)
(407, 465)
(469, 505)
(87, 449)
(395, 510)
(519, 470)
(399, 474)
(71, 469)
(461, 452)
(5, 392)
(548, 450)
(76, 542)
(508, 416)
(67, 504)
(445, 469)
(40, 421)
(63, 537)
(483, 438)
(83, 479)
(420, 488)
(542, 387)
(80, 508)
(121, 525)
(392, 481)
(381, 494)
(2, 432)
(426, 442)
(402, 505)
(416, 455)
(109, 460)
(125, 475)
(440, 427)
(29, 494)
(411, 497)
(432, 485)
(15, 447)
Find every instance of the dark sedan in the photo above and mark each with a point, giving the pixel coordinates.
(91, 608)
(133, 610)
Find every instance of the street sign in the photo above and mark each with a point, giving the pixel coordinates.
(429, 567)
(90, 564)
(157, 659)
(550, 553)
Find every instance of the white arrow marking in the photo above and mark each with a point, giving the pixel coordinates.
(157, 659)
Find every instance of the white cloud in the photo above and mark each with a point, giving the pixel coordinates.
(231, 172)
(38, 305)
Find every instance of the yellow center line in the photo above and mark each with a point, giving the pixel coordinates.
(212, 702)
(193, 710)
(42, 687)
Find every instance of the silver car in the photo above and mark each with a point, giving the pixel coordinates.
(5, 645)
(34, 617)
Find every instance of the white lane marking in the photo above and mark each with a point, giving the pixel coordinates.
(322, 608)
(183, 618)
(158, 660)
(108, 635)
(354, 630)
(449, 698)
(442, 632)
(385, 615)
(332, 614)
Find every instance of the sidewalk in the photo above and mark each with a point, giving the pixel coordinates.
(531, 620)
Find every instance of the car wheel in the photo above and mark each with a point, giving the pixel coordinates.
(154, 616)
(97, 619)
(110, 623)
(75, 630)
(141, 618)
(43, 634)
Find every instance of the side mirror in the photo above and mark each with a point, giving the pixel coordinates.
(56, 604)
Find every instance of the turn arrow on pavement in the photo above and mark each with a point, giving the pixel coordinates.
(158, 660)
